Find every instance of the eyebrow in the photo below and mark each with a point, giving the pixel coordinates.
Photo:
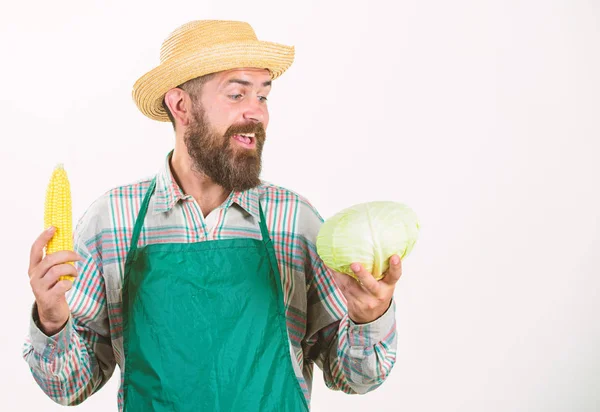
(247, 83)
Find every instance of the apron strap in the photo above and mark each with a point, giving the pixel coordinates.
(139, 222)
(263, 225)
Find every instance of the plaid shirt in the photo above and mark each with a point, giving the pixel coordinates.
(77, 361)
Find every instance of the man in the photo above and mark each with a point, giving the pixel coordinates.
(202, 282)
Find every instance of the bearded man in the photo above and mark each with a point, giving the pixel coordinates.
(202, 282)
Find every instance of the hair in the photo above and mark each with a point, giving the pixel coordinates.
(193, 87)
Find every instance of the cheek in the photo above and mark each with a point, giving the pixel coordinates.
(219, 119)
(228, 116)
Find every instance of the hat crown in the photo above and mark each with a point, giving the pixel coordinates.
(200, 34)
(202, 47)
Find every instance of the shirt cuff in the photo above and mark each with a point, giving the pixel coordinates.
(48, 347)
(372, 333)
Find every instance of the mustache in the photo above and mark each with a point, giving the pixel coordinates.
(257, 128)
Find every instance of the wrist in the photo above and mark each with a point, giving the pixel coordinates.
(371, 316)
(50, 327)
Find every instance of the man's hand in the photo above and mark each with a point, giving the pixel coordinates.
(368, 298)
(53, 309)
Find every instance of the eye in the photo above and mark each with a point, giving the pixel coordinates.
(262, 98)
(235, 96)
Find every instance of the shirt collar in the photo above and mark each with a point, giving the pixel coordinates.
(247, 200)
(168, 193)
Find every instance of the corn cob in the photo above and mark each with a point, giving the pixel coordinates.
(57, 213)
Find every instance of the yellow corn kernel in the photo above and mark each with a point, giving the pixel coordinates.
(57, 213)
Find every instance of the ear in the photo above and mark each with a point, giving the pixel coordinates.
(180, 105)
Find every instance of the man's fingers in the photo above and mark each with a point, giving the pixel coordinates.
(342, 280)
(348, 285)
(62, 286)
(37, 249)
(55, 272)
(367, 280)
(394, 272)
(53, 259)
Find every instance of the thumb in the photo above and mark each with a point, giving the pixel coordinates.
(37, 249)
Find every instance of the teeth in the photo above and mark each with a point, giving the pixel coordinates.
(248, 135)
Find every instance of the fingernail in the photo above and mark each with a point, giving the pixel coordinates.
(395, 260)
(355, 267)
(50, 229)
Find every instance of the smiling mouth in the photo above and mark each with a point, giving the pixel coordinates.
(245, 139)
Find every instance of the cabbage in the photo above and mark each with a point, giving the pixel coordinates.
(367, 233)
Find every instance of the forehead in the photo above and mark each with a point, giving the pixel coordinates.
(253, 75)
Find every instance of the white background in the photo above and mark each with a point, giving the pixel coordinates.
(483, 116)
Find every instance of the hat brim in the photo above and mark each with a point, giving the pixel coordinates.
(149, 90)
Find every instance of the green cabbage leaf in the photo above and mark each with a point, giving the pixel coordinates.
(368, 233)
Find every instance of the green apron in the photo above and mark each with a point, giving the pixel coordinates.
(205, 327)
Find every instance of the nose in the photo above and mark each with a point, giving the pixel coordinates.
(255, 112)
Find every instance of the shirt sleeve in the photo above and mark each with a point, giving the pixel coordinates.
(354, 358)
(77, 361)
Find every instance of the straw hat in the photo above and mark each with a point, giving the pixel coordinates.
(203, 47)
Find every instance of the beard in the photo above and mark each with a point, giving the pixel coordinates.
(214, 155)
